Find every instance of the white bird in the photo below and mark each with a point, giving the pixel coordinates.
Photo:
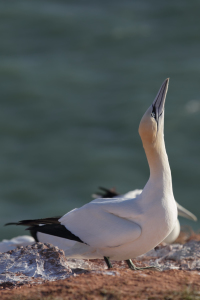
(18, 241)
(119, 228)
(182, 212)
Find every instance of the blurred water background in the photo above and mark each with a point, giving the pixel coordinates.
(75, 80)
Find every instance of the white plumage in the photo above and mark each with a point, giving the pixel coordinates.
(183, 212)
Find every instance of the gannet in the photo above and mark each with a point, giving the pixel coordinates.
(118, 228)
(18, 241)
(182, 212)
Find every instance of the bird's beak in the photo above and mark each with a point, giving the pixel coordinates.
(159, 102)
(183, 212)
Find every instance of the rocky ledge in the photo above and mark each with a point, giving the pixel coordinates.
(39, 262)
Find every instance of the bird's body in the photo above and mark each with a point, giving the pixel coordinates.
(123, 228)
(134, 231)
(183, 212)
(173, 234)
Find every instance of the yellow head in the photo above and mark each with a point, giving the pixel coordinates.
(152, 123)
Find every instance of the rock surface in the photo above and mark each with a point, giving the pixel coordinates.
(43, 262)
(175, 256)
(35, 263)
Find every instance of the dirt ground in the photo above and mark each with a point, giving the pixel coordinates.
(121, 283)
(168, 285)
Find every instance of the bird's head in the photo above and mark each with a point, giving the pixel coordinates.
(152, 123)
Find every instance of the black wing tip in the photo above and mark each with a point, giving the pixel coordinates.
(108, 193)
(12, 223)
(49, 226)
(58, 230)
(52, 220)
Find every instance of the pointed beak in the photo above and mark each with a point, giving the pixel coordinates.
(159, 102)
(183, 212)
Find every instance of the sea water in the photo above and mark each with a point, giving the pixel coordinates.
(75, 80)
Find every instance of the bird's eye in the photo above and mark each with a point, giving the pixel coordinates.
(153, 113)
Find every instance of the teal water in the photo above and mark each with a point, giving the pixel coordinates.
(75, 80)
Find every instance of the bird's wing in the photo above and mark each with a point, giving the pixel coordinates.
(112, 193)
(53, 220)
(105, 193)
(132, 194)
(183, 212)
(102, 224)
(57, 230)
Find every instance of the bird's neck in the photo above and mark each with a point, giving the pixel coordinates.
(160, 173)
